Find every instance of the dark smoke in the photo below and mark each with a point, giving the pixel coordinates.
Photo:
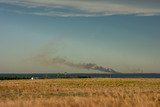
(48, 58)
(88, 66)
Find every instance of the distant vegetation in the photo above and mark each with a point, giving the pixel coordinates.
(77, 75)
(18, 77)
(13, 78)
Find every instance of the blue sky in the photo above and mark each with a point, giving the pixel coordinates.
(123, 35)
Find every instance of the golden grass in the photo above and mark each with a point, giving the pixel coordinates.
(91, 92)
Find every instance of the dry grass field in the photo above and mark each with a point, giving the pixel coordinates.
(88, 92)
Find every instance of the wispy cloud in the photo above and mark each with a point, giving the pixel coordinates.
(86, 8)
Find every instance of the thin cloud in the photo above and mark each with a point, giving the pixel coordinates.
(87, 8)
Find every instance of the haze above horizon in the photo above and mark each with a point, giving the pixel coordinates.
(122, 35)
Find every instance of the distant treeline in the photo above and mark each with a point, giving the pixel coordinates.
(40, 76)
(13, 78)
(18, 78)
(77, 75)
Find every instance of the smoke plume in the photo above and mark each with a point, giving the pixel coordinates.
(88, 66)
(47, 57)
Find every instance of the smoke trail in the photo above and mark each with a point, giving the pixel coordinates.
(88, 66)
(47, 57)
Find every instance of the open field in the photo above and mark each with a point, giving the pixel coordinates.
(87, 92)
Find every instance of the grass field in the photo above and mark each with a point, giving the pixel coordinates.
(87, 92)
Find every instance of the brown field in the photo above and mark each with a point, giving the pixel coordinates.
(91, 92)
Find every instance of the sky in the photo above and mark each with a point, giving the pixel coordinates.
(118, 34)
